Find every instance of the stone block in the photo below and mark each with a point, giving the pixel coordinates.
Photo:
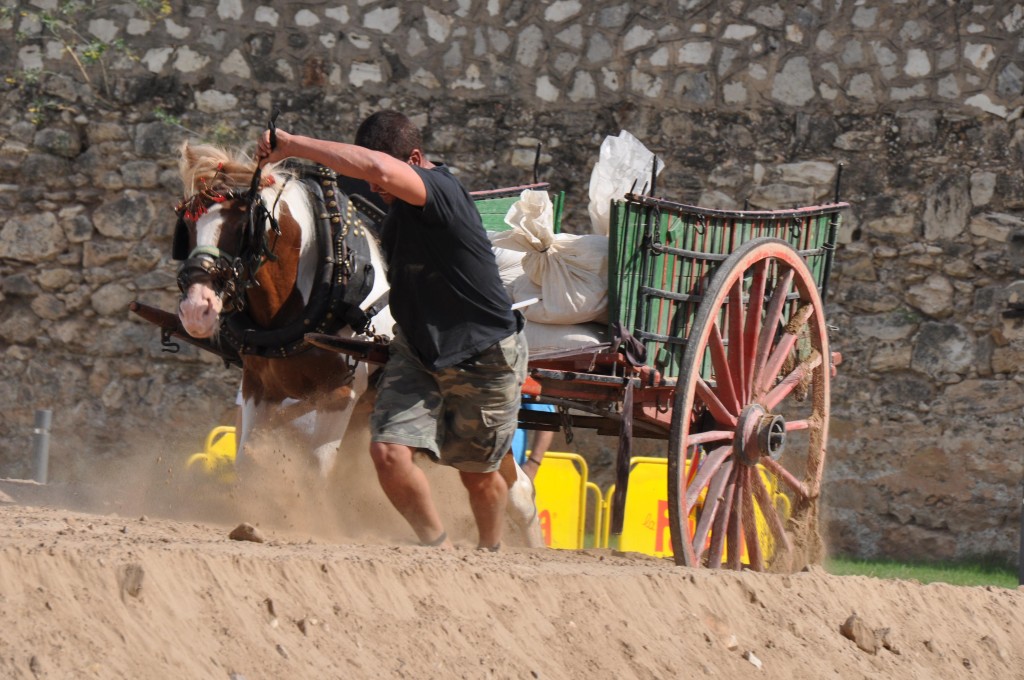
(947, 207)
(898, 225)
(982, 397)
(112, 299)
(127, 216)
(1007, 360)
(942, 348)
(58, 141)
(31, 238)
(997, 227)
(934, 296)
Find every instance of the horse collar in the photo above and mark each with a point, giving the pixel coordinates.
(343, 280)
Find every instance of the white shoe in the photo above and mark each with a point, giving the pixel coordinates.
(522, 509)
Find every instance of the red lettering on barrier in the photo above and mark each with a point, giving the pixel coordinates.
(663, 526)
(545, 526)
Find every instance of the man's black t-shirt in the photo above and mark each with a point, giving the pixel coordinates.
(446, 294)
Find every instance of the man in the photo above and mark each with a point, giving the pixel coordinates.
(452, 383)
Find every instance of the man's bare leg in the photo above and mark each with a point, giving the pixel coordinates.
(407, 488)
(488, 496)
(508, 469)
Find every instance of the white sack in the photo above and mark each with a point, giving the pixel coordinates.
(624, 165)
(568, 272)
(510, 262)
(546, 337)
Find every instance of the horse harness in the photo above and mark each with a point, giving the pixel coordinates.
(344, 277)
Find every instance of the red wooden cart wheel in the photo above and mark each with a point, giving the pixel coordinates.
(750, 420)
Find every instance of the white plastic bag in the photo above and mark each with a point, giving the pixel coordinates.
(624, 164)
(568, 272)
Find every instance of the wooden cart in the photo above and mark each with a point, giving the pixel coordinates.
(719, 346)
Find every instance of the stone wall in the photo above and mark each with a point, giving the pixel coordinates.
(745, 102)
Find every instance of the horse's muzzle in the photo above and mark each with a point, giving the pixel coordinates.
(218, 273)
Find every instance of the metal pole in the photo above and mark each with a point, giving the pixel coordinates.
(41, 443)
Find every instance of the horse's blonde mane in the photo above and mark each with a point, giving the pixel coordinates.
(203, 166)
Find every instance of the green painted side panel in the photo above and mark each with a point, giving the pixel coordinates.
(657, 293)
(709, 236)
(493, 210)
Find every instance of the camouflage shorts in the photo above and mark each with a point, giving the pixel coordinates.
(465, 415)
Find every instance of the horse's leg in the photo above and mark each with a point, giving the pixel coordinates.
(332, 424)
(245, 428)
(522, 502)
(256, 417)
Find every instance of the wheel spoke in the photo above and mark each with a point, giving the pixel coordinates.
(714, 404)
(721, 523)
(708, 467)
(755, 556)
(713, 502)
(766, 378)
(734, 534)
(778, 357)
(773, 316)
(789, 383)
(787, 477)
(770, 372)
(723, 376)
(735, 328)
(771, 514)
(710, 436)
(752, 327)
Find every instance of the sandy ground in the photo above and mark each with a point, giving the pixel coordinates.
(133, 575)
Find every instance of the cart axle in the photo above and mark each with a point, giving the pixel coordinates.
(759, 434)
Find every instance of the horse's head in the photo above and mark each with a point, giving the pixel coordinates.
(218, 235)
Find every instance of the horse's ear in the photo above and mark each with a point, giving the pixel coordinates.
(187, 161)
(186, 152)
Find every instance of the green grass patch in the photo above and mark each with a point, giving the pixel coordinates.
(975, 573)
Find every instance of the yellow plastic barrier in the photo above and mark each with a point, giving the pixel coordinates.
(645, 526)
(561, 485)
(598, 521)
(218, 456)
(606, 517)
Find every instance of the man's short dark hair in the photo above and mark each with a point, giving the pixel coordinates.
(391, 132)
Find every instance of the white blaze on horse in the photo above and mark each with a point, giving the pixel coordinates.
(270, 256)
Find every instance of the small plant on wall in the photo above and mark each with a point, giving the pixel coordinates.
(90, 54)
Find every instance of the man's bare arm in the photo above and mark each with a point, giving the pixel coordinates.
(390, 174)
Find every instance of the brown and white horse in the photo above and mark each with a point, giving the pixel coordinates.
(270, 256)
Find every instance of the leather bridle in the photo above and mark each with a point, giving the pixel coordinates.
(229, 274)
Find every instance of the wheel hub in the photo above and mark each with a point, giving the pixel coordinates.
(759, 433)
